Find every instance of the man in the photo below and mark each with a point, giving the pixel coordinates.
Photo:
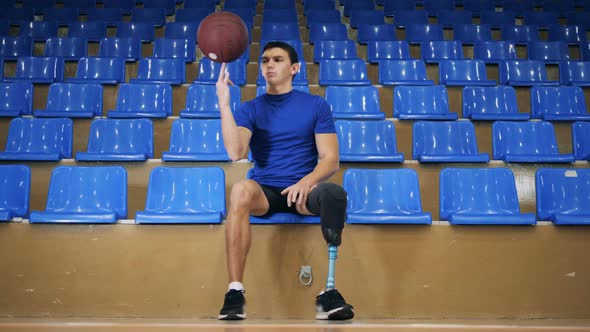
(293, 141)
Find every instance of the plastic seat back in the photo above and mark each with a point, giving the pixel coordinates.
(570, 34)
(518, 7)
(494, 51)
(199, 103)
(93, 31)
(63, 16)
(566, 103)
(181, 30)
(520, 34)
(161, 70)
(402, 18)
(68, 48)
(15, 188)
(119, 140)
(374, 32)
(477, 7)
(126, 48)
(384, 196)
(184, 195)
(366, 16)
(464, 72)
(109, 16)
(367, 141)
(38, 31)
(563, 195)
(323, 16)
(343, 72)
(361, 102)
(334, 49)
(574, 73)
(327, 31)
(209, 4)
(143, 100)
(530, 141)
(82, 6)
(80, 194)
(196, 140)
(72, 100)
(448, 18)
(480, 196)
(38, 6)
(497, 19)
(38, 70)
(125, 5)
(17, 15)
(422, 103)
(471, 33)
(491, 103)
(278, 31)
(417, 33)
(246, 14)
(278, 4)
(168, 5)
(433, 7)
(16, 99)
(581, 140)
(446, 141)
(549, 52)
(143, 31)
(279, 16)
(403, 72)
(209, 71)
(38, 139)
(356, 5)
(439, 50)
(390, 7)
(11, 48)
(154, 16)
(541, 19)
(191, 15)
(100, 70)
(524, 73)
(378, 51)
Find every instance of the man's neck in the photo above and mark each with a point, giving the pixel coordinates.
(279, 89)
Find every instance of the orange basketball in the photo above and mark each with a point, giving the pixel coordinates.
(222, 37)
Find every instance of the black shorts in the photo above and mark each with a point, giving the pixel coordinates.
(276, 201)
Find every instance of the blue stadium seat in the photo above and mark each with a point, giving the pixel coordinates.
(343, 72)
(251, 4)
(448, 18)
(581, 140)
(199, 103)
(581, 19)
(63, 16)
(402, 18)
(68, 48)
(93, 31)
(417, 33)
(143, 100)
(168, 5)
(11, 48)
(102, 70)
(384, 196)
(15, 181)
(403, 72)
(334, 49)
(278, 4)
(541, 19)
(366, 16)
(4, 27)
(154, 16)
(184, 195)
(36, 69)
(196, 140)
(562, 103)
(119, 140)
(38, 6)
(570, 34)
(309, 6)
(82, 6)
(585, 51)
(367, 141)
(72, 101)
(439, 50)
(494, 52)
(34, 139)
(85, 195)
(327, 31)
(563, 195)
(38, 31)
(17, 16)
(548, 51)
(390, 7)
(491, 103)
(246, 14)
(526, 142)
(422, 103)
(160, 71)
(126, 48)
(481, 196)
(209, 71)
(477, 7)
(497, 19)
(16, 99)
(446, 142)
(109, 16)
(182, 30)
(191, 15)
(354, 102)
(464, 72)
(209, 4)
(520, 34)
(139, 30)
(323, 17)
(378, 51)
(279, 16)
(561, 7)
(524, 73)
(471, 33)
(125, 5)
(279, 31)
(183, 49)
(518, 7)
(355, 5)
(433, 7)
(375, 32)
(261, 89)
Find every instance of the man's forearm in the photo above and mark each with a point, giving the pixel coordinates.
(325, 168)
(231, 134)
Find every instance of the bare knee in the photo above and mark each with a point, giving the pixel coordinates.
(242, 195)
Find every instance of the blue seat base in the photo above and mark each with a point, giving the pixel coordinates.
(199, 115)
(566, 117)
(532, 83)
(29, 156)
(345, 83)
(469, 83)
(72, 217)
(135, 115)
(91, 80)
(440, 158)
(92, 156)
(171, 156)
(5, 215)
(11, 113)
(429, 116)
(533, 158)
(492, 219)
(500, 116)
(359, 116)
(410, 83)
(570, 219)
(350, 157)
(63, 114)
(285, 218)
(150, 217)
(389, 218)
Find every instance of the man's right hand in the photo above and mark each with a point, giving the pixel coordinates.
(222, 87)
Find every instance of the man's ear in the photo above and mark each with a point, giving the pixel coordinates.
(295, 68)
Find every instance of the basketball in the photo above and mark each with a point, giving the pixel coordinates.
(222, 37)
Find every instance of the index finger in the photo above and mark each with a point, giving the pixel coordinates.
(221, 73)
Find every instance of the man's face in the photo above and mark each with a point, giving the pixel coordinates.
(276, 66)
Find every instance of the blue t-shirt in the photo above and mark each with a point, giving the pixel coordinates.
(283, 135)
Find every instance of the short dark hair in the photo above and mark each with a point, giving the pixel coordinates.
(284, 46)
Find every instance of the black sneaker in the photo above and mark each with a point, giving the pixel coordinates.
(331, 305)
(233, 306)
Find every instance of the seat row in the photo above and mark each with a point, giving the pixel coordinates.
(196, 195)
(359, 141)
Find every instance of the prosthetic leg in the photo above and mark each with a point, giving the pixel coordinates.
(333, 238)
